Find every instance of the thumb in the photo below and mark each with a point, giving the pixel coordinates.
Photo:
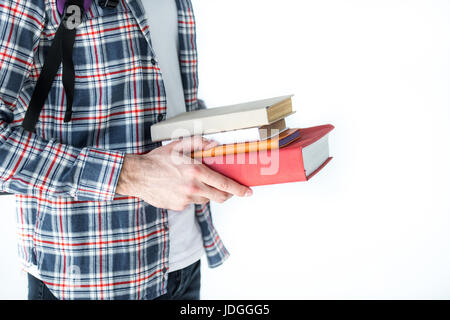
(192, 144)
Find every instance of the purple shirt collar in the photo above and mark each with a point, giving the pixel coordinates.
(61, 3)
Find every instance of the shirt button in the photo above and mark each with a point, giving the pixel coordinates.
(164, 270)
(153, 61)
(166, 228)
(160, 117)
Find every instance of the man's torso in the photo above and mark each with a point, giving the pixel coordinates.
(119, 248)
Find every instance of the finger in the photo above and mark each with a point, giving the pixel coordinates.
(218, 181)
(213, 193)
(195, 143)
(199, 200)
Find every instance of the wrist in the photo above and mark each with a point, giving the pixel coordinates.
(129, 179)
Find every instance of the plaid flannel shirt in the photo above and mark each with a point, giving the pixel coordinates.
(86, 241)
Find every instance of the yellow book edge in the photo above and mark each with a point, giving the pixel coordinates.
(244, 147)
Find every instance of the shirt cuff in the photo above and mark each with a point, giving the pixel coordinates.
(99, 174)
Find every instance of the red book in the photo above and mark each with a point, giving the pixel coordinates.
(299, 161)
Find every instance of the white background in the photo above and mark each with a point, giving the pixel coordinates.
(375, 223)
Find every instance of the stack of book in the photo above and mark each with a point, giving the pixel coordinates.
(255, 146)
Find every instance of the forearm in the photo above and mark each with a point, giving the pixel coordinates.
(30, 164)
(33, 166)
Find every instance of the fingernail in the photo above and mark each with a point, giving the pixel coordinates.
(249, 193)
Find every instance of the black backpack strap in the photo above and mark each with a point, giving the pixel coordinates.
(68, 41)
(44, 83)
(108, 3)
(61, 50)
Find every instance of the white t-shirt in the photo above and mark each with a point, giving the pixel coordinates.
(185, 239)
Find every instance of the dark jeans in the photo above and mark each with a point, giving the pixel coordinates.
(183, 284)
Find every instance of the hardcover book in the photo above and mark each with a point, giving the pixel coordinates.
(207, 121)
(298, 161)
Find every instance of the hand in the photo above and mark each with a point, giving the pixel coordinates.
(167, 177)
